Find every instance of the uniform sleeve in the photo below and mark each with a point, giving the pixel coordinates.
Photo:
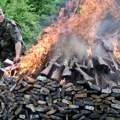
(15, 34)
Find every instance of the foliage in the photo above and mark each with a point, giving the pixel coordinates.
(28, 13)
(47, 10)
(46, 7)
(22, 13)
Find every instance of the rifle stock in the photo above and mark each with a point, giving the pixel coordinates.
(100, 64)
(67, 72)
(59, 71)
(85, 76)
(56, 75)
(46, 71)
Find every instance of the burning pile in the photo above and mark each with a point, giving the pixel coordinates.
(97, 70)
(91, 91)
(88, 19)
(82, 49)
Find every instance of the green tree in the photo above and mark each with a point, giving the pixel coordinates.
(23, 14)
(28, 14)
(46, 7)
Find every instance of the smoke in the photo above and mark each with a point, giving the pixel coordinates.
(118, 2)
(99, 49)
(108, 26)
(71, 45)
(105, 26)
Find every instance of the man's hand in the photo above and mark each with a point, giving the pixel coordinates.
(16, 59)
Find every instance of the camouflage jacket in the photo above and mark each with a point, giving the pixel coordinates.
(9, 35)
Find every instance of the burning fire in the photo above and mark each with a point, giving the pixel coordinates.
(89, 51)
(116, 50)
(84, 21)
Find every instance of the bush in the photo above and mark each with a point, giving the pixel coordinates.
(29, 14)
(23, 14)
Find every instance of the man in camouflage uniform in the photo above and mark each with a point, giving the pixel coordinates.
(11, 43)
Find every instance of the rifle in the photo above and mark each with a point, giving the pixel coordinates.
(85, 76)
(47, 70)
(58, 72)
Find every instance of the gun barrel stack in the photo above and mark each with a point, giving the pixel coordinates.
(90, 70)
(88, 93)
(58, 73)
(48, 69)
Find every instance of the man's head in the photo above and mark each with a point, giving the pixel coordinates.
(1, 15)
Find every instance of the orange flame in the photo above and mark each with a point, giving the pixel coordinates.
(37, 53)
(84, 21)
(116, 50)
(89, 51)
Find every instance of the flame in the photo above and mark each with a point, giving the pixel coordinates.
(84, 21)
(89, 51)
(116, 50)
(91, 15)
(37, 53)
